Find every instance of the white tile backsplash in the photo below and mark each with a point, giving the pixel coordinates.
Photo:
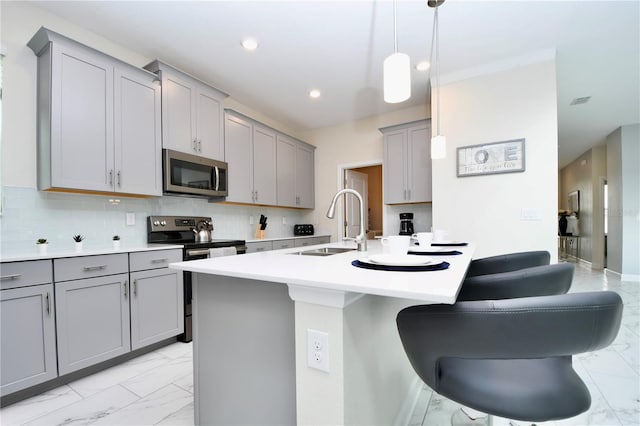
(29, 214)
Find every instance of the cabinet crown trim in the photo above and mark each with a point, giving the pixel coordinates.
(160, 66)
(405, 125)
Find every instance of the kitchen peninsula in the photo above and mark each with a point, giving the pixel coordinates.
(254, 362)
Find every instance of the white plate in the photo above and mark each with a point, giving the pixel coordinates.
(427, 249)
(400, 260)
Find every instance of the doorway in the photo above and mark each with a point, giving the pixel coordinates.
(367, 180)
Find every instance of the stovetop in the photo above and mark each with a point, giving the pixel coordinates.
(179, 230)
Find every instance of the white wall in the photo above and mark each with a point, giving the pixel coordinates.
(623, 177)
(512, 104)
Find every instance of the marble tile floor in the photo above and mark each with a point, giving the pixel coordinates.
(157, 388)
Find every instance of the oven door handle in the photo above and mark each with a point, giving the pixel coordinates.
(197, 252)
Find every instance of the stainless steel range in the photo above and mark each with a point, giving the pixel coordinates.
(191, 232)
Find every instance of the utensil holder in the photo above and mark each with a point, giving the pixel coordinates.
(261, 234)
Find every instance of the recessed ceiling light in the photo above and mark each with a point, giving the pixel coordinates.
(423, 66)
(315, 93)
(250, 44)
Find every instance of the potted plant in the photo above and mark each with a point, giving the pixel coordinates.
(42, 244)
(78, 239)
(116, 242)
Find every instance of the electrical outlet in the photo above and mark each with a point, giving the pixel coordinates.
(250, 220)
(130, 218)
(284, 220)
(318, 350)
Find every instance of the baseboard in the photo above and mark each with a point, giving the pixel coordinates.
(624, 277)
(406, 410)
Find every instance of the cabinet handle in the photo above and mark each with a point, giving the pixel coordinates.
(194, 145)
(111, 177)
(135, 288)
(118, 178)
(260, 249)
(124, 284)
(256, 196)
(405, 195)
(199, 145)
(10, 277)
(159, 260)
(409, 196)
(48, 304)
(94, 268)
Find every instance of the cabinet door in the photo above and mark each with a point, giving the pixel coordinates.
(178, 109)
(157, 310)
(419, 164)
(28, 345)
(264, 165)
(92, 321)
(81, 119)
(238, 154)
(305, 177)
(395, 190)
(138, 139)
(286, 171)
(209, 124)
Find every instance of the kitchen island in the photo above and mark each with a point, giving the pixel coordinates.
(254, 362)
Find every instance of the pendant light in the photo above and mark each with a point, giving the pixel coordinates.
(438, 142)
(396, 71)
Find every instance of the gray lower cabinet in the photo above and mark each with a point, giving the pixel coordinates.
(28, 340)
(283, 244)
(92, 321)
(258, 246)
(157, 309)
(92, 309)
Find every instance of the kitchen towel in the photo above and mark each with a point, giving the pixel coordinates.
(420, 268)
(222, 251)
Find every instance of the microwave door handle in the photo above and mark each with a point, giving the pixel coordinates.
(217, 179)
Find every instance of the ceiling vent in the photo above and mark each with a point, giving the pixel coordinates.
(578, 101)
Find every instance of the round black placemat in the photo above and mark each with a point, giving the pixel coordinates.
(419, 268)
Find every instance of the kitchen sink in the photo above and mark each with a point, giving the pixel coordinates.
(325, 251)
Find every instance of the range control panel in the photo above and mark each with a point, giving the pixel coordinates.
(302, 230)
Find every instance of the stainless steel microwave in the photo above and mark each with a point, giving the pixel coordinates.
(188, 174)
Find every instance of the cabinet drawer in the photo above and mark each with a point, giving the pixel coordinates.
(74, 268)
(303, 242)
(259, 246)
(141, 261)
(283, 244)
(22, 274)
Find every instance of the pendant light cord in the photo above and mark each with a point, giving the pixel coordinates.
(395, 30)
(435, 41)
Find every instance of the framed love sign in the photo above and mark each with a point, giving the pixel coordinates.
(491, 158)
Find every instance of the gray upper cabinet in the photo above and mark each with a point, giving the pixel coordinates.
(28, 339)
(250, 150)
(407, 163)
(94, 111)
(295, 173)
(192, 113)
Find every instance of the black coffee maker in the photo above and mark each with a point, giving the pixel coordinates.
(406, 223)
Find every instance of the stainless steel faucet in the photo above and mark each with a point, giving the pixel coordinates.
(361, 239)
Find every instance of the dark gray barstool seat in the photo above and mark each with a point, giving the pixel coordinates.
(507, 262)
(546, 280)
(512, 357)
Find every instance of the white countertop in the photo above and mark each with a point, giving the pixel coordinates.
(52, 253)
(336, 272)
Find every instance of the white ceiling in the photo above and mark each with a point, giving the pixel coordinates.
(339, 46)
